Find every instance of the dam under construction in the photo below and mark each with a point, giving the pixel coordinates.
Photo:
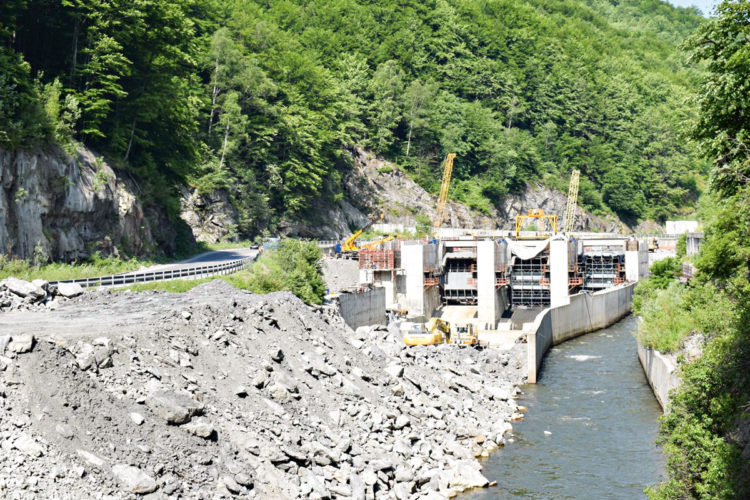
(541, 290)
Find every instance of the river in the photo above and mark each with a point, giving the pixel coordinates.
(590, 427)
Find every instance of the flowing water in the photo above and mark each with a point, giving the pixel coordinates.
(590, 427)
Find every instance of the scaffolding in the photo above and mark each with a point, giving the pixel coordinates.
(529, 281)
(603, 270)
(378, 259)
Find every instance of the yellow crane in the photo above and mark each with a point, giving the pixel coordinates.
(570, 210)
(537, 214)
(443, 198)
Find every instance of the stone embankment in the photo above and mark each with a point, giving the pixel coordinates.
(221, 393)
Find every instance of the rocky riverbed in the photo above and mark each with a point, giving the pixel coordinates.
(220, 393)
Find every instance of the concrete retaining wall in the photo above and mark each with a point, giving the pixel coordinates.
(585, 313)
(660, 372)
(364, 308)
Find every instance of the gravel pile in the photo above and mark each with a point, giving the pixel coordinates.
(218, 393)
(340, 274)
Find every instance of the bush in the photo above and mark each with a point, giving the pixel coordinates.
(681, 246)
(665, 321)
(293, 266)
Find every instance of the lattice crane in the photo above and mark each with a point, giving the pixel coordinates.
(443, 198)
(570, 210)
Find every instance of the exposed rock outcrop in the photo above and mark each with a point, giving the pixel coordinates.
(376, 185)
(211, 216)
(54, 206)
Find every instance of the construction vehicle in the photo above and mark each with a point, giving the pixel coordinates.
(371, 245)
(570, 209)
(435, 331)
(464, 334)
(443, 198)
(653, 245)
(349, 246)
(537, 214)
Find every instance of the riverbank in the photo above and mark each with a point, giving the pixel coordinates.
(590, 426)
(659, 370)
(219, 391)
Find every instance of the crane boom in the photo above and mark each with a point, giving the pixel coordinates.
(443, 198)
(570, 210)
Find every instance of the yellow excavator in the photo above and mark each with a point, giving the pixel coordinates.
(349, 245)
(437, 331)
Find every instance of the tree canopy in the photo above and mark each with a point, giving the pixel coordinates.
(264, 98)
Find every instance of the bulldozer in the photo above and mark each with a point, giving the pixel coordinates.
(464, 334)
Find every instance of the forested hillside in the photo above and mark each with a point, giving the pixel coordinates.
(265, 98)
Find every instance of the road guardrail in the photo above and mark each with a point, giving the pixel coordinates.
(191, 272)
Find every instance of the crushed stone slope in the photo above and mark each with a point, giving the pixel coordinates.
(219, 392)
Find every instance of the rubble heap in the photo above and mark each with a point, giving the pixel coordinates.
(225, 393)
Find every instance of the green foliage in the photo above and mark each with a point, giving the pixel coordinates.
(681, 246)
(294, 266)
(665, 323)
(90, 268)
(722, 127)
(702, 434)
(263, 98)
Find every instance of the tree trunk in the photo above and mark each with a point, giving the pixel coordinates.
(75, 50)
(408, 141)
(130, 141)
(224, 148)
(214, 94)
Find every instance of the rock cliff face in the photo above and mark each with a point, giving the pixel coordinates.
(210, 216)
(54, 206)
(376, 185)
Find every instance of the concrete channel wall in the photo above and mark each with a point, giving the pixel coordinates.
(363, 308)
(660, 372)
(585, 313)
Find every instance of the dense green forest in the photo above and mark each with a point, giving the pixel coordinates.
(265, 98)
(706, 434)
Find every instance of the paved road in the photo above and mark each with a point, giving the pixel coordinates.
(206, 258)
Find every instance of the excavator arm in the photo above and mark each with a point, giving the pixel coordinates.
(349, 245)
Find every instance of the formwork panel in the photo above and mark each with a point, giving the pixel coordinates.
(530, 281)
(378, 259)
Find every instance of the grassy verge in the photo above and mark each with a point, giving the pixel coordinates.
(96, 265)
(293, 266)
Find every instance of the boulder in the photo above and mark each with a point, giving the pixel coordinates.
(21, 343)
(137, 418)
(395, 370)
(24, 288)
(464, 475)
(174, 407)
(90, 458)
(27, 445)
(69, 290)
(200, 427)
(133, 479)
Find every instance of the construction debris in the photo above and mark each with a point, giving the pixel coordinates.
(218, 393)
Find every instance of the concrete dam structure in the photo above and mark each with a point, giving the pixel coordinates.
(541, 291)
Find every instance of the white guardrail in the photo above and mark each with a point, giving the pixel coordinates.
(192, 272)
